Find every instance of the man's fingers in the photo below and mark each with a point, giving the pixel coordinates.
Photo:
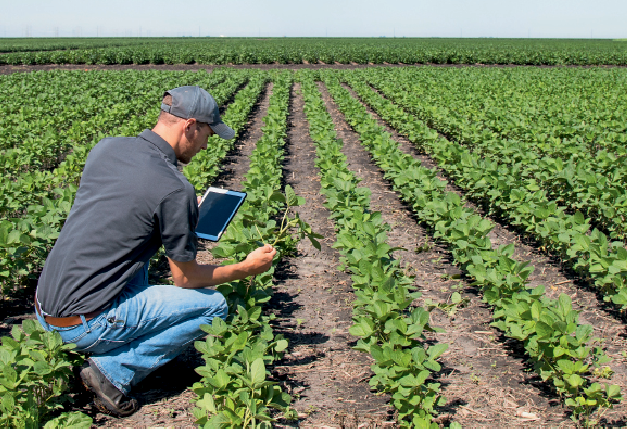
(267, 248)
(271, 251)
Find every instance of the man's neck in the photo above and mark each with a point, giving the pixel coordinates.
(170, 135)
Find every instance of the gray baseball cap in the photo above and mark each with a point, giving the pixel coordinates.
(194, 102)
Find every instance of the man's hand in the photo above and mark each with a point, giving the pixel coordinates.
(192, 275)
(260, 260)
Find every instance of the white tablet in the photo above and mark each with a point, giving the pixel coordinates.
(216, 209)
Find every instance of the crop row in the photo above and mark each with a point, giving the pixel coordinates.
(328, 51)
(388, 327)
(564, 150)
(561, 349)
(206, 165)
(234, 390)
(590, 253)
(25, 241)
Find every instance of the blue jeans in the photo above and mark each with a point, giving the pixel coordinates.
(145, 327)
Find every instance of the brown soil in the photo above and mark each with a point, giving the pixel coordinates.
(327, 378)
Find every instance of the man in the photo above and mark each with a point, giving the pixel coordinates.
(94, 286)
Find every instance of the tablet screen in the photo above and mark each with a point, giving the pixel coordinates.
(216, 211)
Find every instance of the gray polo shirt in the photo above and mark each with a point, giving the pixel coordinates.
(131, 200)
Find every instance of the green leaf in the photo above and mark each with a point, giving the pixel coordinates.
(613, 391)
(315, 243)
(456, 298)
(218, 326)
(278, 197)
(436, 350)
(10, 375)
(543, 330)
(52, 340)
(221, 379)
(432, 365)
(14, 237)
(257, 371)
(377, 353)
(566, 366)
(565, 303)
(7, 403)
(4, 234)
(292, 200)
(73, 420)
(280, 345)
(207, 403)
(42, 367)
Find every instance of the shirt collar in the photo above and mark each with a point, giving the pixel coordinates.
(161, 144)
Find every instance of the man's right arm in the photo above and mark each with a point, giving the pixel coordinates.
(192, 275)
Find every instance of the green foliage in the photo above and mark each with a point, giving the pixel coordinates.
(215, 50)
(541, 181)
(234, 391)
(388, 328)
(206, 164)
(35, 373)
(561, 349)
(74, 420)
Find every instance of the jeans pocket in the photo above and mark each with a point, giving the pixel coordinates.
(85, 339)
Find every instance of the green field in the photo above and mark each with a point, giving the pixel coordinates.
(538, 151)
(216, 50)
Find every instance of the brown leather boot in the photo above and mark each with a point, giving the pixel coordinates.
(109, 399)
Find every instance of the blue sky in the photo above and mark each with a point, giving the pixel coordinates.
(332, 18)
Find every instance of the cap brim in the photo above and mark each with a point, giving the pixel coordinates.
(225, 132)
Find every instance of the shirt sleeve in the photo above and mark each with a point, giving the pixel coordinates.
(176, 218)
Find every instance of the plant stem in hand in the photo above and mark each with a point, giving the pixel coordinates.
(282, 231)
(260, 236)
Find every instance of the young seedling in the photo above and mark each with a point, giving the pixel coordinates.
(451, 306)
(291, 223)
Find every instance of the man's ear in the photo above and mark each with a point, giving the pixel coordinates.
(189, 124)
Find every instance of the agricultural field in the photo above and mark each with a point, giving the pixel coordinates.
(451, 242)
(219, 50)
